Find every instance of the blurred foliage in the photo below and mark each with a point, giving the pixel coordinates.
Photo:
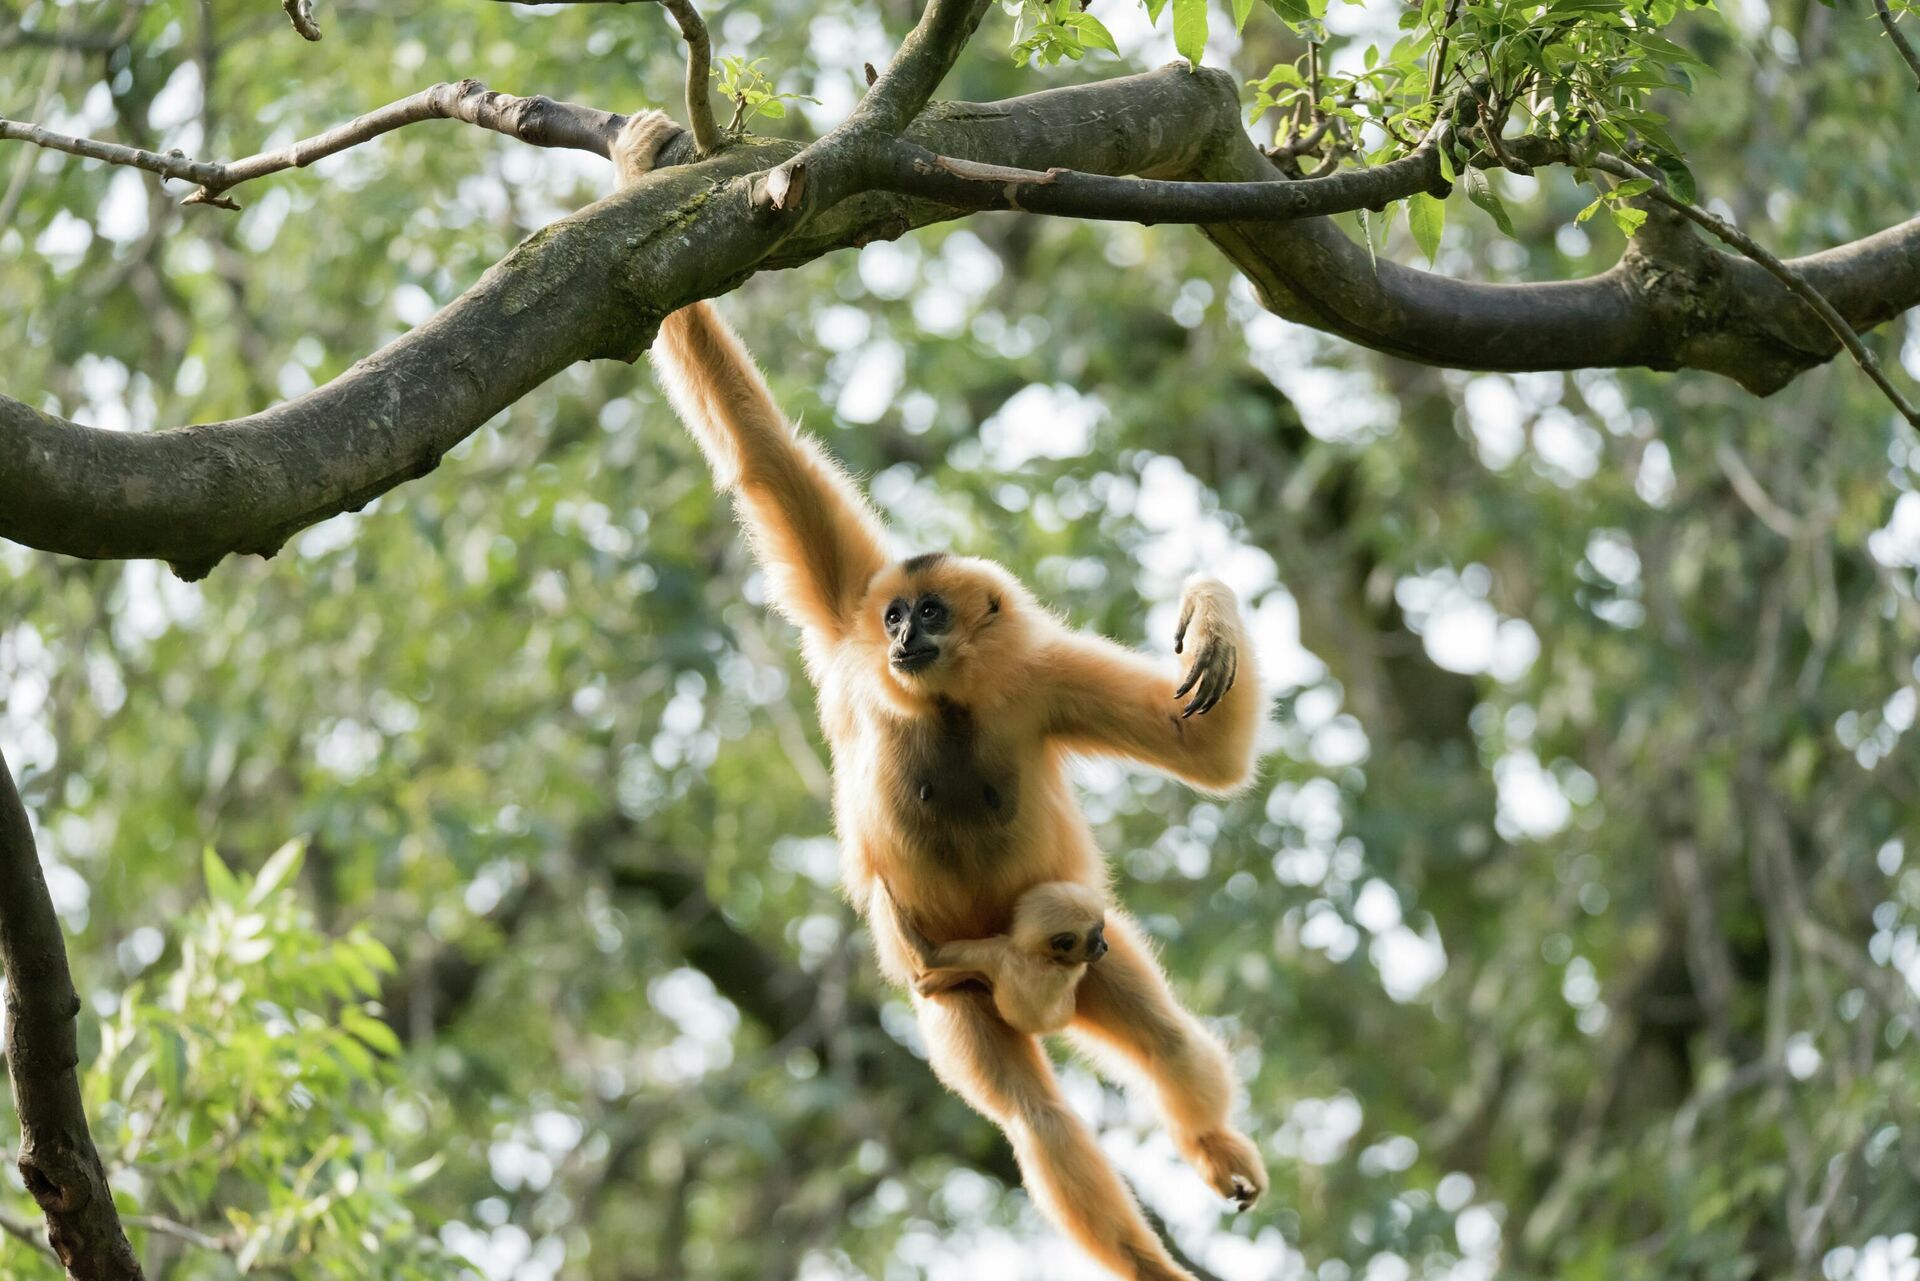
(1573, 929)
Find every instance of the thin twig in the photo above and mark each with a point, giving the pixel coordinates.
(1436, 76)
(1786, 275)
(1313, 78)
(179, 1231)
(26, 1232)
(300, 14)
(1900, 42)
(707, 135)
(539, 121)
(707, 138)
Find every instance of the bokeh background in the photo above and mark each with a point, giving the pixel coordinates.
(1572, 928)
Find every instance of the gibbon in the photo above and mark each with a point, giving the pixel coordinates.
(952, 702)
(1059, 928)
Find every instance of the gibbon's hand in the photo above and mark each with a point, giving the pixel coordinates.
(638, 143)
(1208, 614)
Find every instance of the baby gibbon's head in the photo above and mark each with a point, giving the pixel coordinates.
(1062, 921)
(944, 623)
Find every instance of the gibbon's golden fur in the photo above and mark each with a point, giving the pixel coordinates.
(953, 702)
(1059, 928)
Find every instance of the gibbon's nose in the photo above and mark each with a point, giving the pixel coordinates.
(1096, 944)
(912, 657)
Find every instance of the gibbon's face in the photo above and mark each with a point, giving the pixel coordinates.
(1061, 922)
(935, 614)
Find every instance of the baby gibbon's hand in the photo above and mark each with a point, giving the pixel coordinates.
(1209, 616)
(638, 143)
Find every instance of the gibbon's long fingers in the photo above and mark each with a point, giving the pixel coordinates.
(1198, 669)
(1180, 630)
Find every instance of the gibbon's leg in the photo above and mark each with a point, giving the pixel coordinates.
(1126, 1007)
(1005, 1075)
(809, 526)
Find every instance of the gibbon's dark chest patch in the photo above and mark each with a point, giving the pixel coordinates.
(948, 791)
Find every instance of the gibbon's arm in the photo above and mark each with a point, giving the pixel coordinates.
(1105, 699)
(809, 527)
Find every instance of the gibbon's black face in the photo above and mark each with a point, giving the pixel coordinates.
(914, 626)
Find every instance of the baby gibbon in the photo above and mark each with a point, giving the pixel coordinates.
(953, 703)
(1059, 928)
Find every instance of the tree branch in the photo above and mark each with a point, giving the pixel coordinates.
(1900, 42)
(1828, 313)
(707, 135)
(57, 1160)
(539, 121)
(300, 14)
(594, 285)
(836, 164)
(912, 170)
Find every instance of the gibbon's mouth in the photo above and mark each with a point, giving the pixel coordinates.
(912, 660)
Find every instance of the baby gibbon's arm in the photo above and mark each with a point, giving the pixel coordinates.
(1197, 722)
(811, 530)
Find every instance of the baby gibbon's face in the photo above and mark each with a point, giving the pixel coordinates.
(1062, 922)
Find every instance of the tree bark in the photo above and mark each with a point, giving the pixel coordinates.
(595, 285)
(61, 1167)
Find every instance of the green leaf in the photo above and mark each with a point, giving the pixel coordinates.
(220, 883)
(277, 871)
(1295, 13)
(772, 107)
(1154, 8)
(1446, 164)
(376, 1034)
(1628, 219)
(1591, 209)
(1241, 8)
(1093, 32)
(1190, 29)
(1679, 178)
(1630, 188)
(1481, 192)
(1426, 218)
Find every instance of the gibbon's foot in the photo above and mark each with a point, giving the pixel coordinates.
(1229, 1162)
(1209, 613)
(638, 143)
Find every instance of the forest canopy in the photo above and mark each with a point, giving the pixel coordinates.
(437, 824)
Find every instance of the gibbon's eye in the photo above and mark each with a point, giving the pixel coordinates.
(1062, 942)
(895, 612)
(933, 613)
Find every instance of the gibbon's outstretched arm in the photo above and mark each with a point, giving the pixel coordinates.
(1106, 699)
(810, 528)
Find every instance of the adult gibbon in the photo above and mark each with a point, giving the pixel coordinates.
(953, 702)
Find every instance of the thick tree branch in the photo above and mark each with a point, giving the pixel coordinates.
(595, 285)
(1740, 240)
(539, 121)
(61, 1167)
(836, 166)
